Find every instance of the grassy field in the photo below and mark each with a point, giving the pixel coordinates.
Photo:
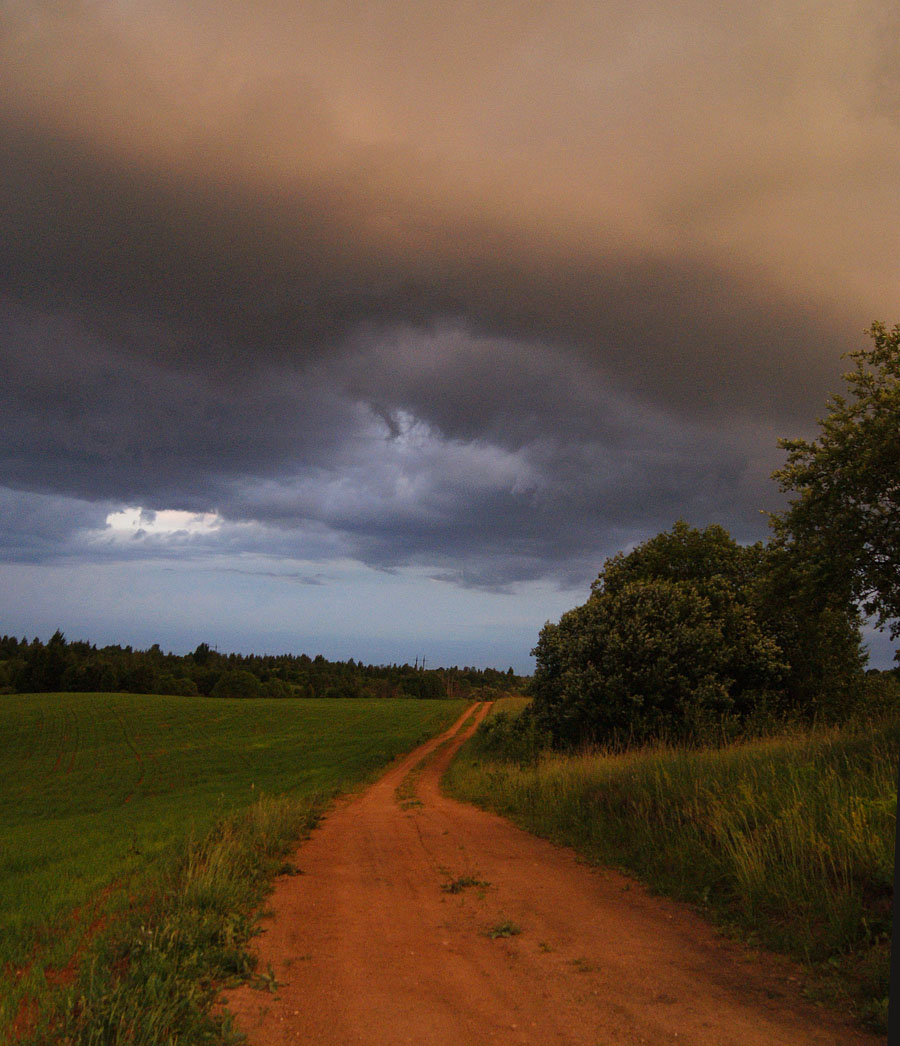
(788, 840)
(105, 794)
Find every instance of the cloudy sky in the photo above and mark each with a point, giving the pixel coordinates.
(372, 329)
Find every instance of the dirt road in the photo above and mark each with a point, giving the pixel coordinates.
(387, 939)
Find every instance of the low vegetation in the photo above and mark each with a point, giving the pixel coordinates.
(788, 839)
(464, 882)
(504, 928)
(136, 843)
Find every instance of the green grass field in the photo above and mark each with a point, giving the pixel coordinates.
(789, 839)
(100, 790)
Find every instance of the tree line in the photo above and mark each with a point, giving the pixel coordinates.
(58, 665)
(692, 636)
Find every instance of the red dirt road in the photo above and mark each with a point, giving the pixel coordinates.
(368, 948)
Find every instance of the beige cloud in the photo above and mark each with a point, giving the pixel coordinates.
(761, 137)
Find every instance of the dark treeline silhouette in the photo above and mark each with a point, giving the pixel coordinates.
(58, 665)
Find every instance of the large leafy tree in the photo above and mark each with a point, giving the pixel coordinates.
(668, 643)
(843, 523)
(817, 632)
(689, 630)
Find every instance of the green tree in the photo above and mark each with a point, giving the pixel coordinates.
(237, 683)
(818, 633)
(844, 521)
(201, 654)
(668, 643)
(684, 554)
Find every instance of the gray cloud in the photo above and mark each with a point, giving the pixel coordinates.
(37, 527)
(440, 464)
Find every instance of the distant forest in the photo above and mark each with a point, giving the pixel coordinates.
(58, 665)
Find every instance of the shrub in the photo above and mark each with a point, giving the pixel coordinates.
(237, 683)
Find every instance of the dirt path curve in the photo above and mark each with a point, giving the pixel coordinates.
(368, 947)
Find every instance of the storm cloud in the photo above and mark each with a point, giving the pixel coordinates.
(491, 291)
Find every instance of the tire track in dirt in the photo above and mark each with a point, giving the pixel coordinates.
(370, 946)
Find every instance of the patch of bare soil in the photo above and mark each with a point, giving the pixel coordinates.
(423, 920)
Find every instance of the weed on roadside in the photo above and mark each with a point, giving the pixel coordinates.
(506, 928)
(464, 882)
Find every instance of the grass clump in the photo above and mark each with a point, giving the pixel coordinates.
(505, 928)
(464, 882)
(789, 839)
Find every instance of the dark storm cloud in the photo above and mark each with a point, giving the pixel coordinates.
(193, 272)
(493, 294)
(38, 527)
(372, 468)
(90, 417)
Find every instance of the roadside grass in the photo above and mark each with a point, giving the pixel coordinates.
(511, 706)
(138, 833)
(155, 976)
(406, 793)
(787, 840)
